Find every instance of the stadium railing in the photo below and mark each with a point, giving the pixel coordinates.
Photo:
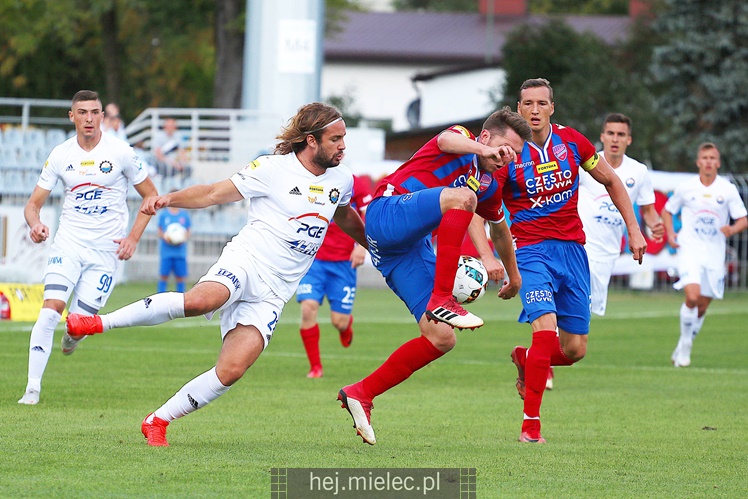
(220, 141)
(214, 135)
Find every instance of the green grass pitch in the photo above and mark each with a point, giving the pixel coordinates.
(621, 423)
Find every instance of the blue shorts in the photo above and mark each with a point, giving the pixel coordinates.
(398, 229)
(336, 280)
(178, 265)
(556, 279)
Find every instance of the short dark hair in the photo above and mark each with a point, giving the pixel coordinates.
(85, 95)
(535, 83)
(618, 118)
(505, 118)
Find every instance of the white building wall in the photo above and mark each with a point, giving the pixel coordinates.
(459, 97)
(380, 91)
(384, 92)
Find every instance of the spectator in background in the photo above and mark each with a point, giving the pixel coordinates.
(173, 254)
(706, 203)
(170, 153)
(112, 122)
(333, 274)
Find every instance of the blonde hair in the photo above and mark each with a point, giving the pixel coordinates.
(311, 119)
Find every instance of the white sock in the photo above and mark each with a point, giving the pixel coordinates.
(155, 309)
(40, 346)
(194, 395)
(697, 325)
(688, 317)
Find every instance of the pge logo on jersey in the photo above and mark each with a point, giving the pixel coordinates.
(313, 231)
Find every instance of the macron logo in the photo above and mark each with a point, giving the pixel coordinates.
(295, 191)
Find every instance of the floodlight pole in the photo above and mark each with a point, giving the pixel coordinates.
(283, 55)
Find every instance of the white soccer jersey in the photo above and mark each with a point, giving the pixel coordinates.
(603, 224)
(289, 213)
(704, 210)
(95, 211)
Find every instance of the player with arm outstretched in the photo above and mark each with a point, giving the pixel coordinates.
(260, 268)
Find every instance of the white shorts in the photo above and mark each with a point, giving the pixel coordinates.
(92, 272)
(692, 271)
(600, 273)
(251, 303)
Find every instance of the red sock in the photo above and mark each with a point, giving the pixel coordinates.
(346, 337)
(310, 337)
(536, 369)
(558, 357)
(403, 362)
(450, 235)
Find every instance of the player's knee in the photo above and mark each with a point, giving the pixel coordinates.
(575, 352)
(441, 336)
(230, 373)
(445, 343)
(340, 322)
(459, 199)
(309, 311)
(196, 303)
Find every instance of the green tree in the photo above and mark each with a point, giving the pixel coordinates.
(701, 68)
(48, 48)
(579, 67)
(607, 7)
(437, 5)
(589, 79)
(141, 53)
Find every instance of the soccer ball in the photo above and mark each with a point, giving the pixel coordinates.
(176, 234)
(471, 280)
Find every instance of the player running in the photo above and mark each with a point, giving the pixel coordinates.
(95, 169)
(540, 193)
(603, 224)
(706, 202)
(333, 274)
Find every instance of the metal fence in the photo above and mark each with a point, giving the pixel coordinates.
(215, 135)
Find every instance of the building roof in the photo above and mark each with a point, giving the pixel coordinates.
(444, 37)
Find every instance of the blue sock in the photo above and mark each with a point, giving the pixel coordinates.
(180, 287)
(161, 286)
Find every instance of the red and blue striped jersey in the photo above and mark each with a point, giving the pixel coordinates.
(540, 189)
(431, 167)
